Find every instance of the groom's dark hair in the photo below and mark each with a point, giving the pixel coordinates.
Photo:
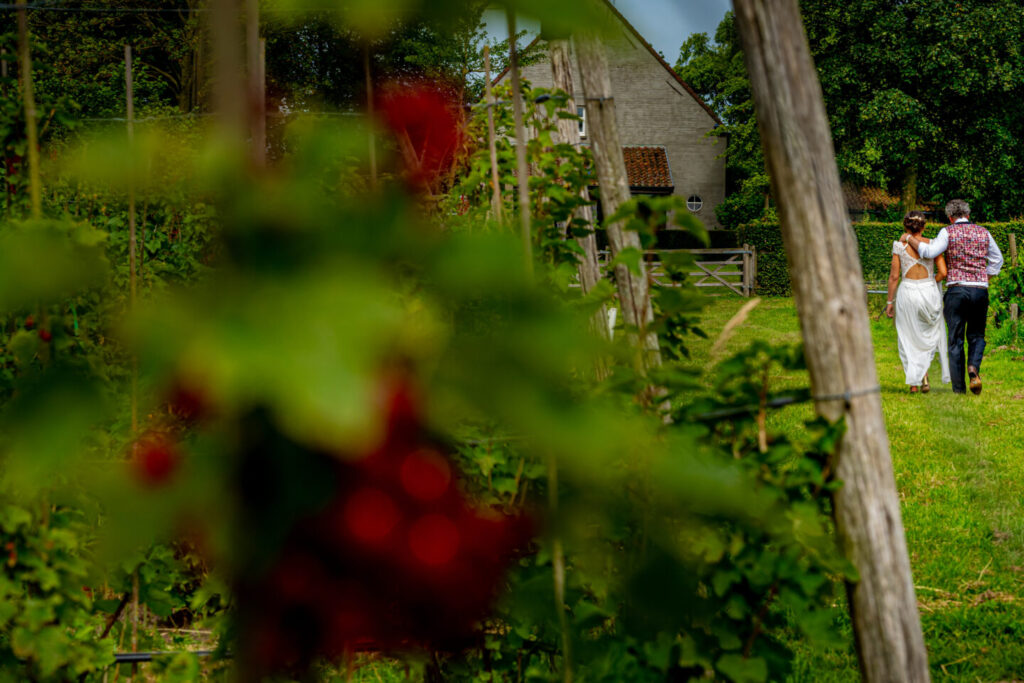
(914, 221)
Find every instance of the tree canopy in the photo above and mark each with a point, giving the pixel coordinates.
(921, 96)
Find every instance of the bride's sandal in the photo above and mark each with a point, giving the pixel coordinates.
(925, 387)
(914, 390)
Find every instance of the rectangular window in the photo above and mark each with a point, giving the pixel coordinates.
(582, 113)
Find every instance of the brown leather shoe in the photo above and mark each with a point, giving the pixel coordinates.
(925, 387)
(972, 372)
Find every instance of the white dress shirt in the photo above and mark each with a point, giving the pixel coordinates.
(941, 243)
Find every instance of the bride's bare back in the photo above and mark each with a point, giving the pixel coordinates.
(917, 271)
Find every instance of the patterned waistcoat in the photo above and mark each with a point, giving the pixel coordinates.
(967, 255)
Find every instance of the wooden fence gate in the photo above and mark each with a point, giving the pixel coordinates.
(734, 269)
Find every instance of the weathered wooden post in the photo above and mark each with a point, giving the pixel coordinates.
(35, 189)
(633, 288)
(132, 241)
(522, 169)
(129, 91)
(1014, 308)
(370, 116)
(569, 132)
(827, 286)
(753, 269)
(747, 286)
(229, 89)
(257, 103)
(496, 203)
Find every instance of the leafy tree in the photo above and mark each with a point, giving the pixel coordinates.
(84, 54)
(922, 96)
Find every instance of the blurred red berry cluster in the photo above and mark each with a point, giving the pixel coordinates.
(395, 557)
(155, 459)
(427, 125)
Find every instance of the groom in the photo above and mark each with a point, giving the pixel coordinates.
(972, 257)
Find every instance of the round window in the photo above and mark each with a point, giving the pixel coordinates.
(694, 203)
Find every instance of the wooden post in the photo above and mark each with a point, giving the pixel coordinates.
(254, 46)
(370, 115)
(634, 293)
(35, 189)
(746, 270)
(1014, 308)
(229, 91)
(135, 620)
(753, 269)
(522, 170)
(827, 288)
(132, 243)
(496, 203)
(130, 125)
(568, 130)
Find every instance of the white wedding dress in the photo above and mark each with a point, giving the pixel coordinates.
(920, 329)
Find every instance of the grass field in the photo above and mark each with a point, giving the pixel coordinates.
(959, 464)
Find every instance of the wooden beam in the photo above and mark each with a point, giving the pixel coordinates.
(35, 184)
(602, 129)
(496, 203)
(828, 289)
(569, 133)
(522, 168)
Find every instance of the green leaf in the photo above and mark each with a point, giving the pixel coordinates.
(631, 257)
(741, 670)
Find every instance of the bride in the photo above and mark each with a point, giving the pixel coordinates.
(917, 307)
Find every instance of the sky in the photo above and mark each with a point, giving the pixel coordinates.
(664, 23)
(667, 23)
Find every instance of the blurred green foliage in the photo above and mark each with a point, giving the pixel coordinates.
(1007, 290)
(293, 294)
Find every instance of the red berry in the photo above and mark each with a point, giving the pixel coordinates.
(370, 514)
(399, 401)
(45, 335)
(434, 539)
(425, 475)
(30, 322)
(187, 402)
(155, 461)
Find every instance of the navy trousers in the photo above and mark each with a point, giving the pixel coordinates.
(965, 310)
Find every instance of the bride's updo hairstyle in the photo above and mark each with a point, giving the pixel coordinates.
(914, 221)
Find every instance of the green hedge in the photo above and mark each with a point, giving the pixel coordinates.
(874, 242)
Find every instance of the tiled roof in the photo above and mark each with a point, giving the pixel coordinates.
(648, 167)
(873, 198)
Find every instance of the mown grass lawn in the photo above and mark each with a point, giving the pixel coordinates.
(959, 464)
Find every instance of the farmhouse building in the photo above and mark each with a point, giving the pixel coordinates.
(663, 124)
